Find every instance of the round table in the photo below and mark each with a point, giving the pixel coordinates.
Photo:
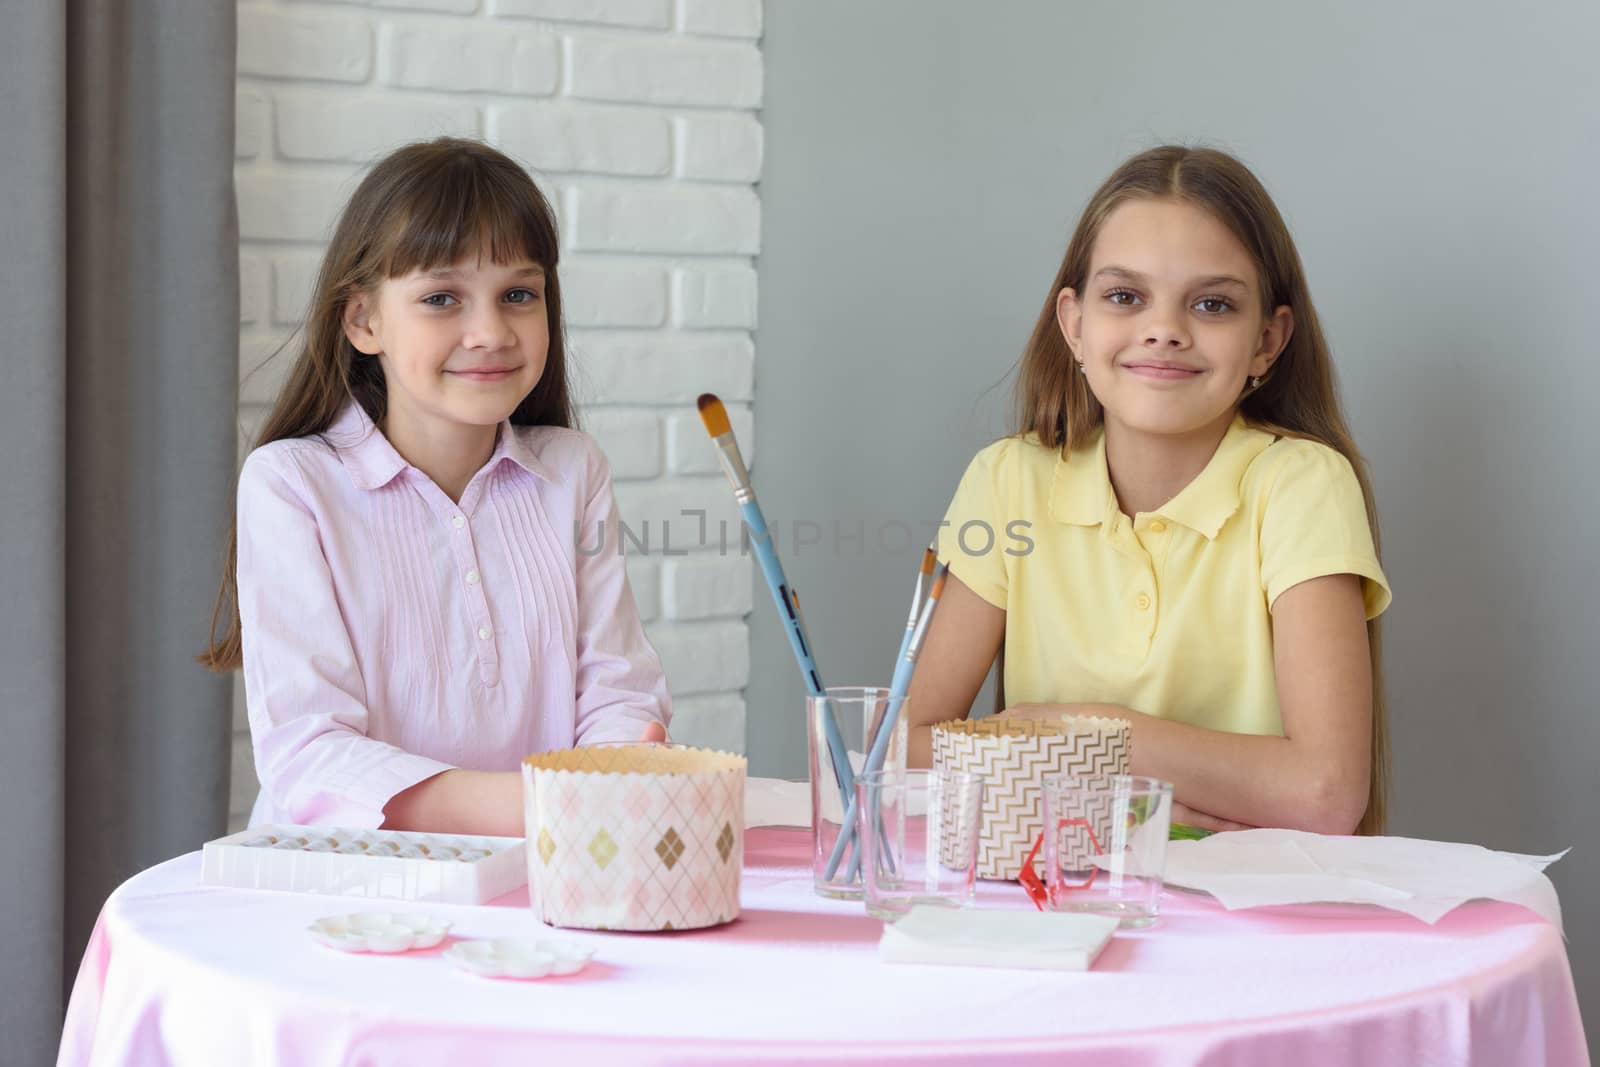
(186, 974)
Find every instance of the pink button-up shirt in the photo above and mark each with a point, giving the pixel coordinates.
(390, 634)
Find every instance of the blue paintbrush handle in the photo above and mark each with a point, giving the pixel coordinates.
(772, 571)
(875, 757)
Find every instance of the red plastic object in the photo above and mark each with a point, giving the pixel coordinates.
(1031, 883)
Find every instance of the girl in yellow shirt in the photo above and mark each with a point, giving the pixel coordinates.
(1181, 534)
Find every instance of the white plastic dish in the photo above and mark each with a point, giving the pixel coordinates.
(519, 957)
(395, 864)
(379, 931)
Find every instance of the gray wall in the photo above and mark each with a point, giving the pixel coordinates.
(925, 161)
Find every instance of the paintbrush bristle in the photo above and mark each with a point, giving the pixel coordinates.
(929, 559)
(938, 581)
(714, 415)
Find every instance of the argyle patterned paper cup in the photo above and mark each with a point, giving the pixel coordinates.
(1014, 756)
(634, 837)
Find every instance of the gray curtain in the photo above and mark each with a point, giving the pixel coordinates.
(119, 332)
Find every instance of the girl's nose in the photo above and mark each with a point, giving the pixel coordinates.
(488, 330)
(1165, 331)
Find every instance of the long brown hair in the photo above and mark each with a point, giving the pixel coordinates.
(1298, 398)
(422, 207)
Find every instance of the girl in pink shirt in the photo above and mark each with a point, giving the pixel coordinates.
(427, 579)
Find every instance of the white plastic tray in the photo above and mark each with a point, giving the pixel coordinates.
(512, 957)
(379, 931)
(389, 864)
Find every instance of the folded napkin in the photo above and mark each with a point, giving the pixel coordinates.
(774, 802)
(1256, 868)
(1033, 940)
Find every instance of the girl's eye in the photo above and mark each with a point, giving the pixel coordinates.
(1123, 297)
(438, 300)
(1213, 305)
(521, 296)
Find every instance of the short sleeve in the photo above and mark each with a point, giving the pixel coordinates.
(1314, 523)
(973, 536)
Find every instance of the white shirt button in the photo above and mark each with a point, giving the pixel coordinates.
(484, 633)
(472, 577)
(459, 521)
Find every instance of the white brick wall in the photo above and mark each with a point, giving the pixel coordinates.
(639, 120)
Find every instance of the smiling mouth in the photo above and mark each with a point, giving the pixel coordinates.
(485, 375)
(1169, 372)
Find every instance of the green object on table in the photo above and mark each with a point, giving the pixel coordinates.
(1184, 832)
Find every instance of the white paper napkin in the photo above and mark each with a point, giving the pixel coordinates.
(1034, 940)
(1255, 868)
(774, 802)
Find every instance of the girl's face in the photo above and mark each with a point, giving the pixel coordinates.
(1170, 324)
(461, 346)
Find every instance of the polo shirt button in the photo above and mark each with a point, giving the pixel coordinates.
(458, 522)
(484, 633)
(472, 577)
(1143, 602)
(1158, 527)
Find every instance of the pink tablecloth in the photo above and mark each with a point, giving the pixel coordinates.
(183, 974)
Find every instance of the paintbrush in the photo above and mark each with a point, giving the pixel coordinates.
(930, 559)
(715, 416)
(880, 741)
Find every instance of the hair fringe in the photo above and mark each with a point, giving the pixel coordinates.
(423, 206)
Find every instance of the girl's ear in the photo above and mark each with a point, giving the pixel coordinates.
(1275, 336)
(358, 325)
(1069, 316)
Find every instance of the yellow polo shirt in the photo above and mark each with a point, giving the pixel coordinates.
(1167, 613)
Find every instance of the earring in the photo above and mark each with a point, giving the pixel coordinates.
(1255, 383)
(1083, 370)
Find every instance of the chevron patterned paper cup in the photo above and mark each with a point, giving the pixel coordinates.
(634, 837)
(1015, 756)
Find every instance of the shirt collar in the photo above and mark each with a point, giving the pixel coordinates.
(1081, 492)
(372, 461)
(510, 444)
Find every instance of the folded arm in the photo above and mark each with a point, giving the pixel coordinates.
(1315, 777)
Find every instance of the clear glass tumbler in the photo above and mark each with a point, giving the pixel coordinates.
(841, 725)
(1106, 845)
(920, 838)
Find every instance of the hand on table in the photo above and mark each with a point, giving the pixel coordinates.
(1057, 711)
(1182, 813)
(654, 733)
(1032, 711)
